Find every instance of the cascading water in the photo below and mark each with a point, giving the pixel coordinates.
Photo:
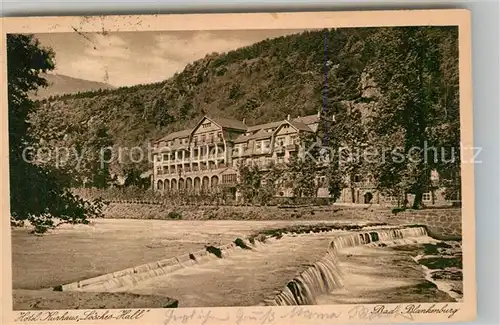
(325, 276)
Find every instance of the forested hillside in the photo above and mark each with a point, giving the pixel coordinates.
(363, 69)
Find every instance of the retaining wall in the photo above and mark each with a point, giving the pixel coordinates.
(446, 222)
(441, 224)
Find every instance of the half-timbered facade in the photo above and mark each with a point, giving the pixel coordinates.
(207, 156)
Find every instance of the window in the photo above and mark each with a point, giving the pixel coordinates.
(267, 144)
(195, 139)
(219, 135)
(293, 139)
(170, 143)
(258, 146)
(231, 178)
(203, 137)
(427, 196)
(280, 142)
(165, 157)
(158, 157)
(206, 125)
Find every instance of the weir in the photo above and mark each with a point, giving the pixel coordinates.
(202, 278)
(325, 276)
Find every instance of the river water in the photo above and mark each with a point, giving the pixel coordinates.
(294, 269)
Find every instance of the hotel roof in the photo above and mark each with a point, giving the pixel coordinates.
(257, 131)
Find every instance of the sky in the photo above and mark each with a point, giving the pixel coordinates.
(130, 58)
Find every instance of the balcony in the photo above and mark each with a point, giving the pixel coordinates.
(280, 149)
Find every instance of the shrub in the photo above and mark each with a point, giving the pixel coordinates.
(174, 215)
(397, 210)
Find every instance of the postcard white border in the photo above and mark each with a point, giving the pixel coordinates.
(303, 20)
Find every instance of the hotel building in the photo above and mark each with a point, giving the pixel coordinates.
(207, 157)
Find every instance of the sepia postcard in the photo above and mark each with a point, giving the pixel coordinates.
(259, 168)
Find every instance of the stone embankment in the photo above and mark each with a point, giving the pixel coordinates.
(445, 223)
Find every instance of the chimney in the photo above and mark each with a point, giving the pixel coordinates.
(288, 117)
(243, 120)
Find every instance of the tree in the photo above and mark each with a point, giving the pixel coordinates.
(270, 182)
(249, 182)
(133, 178)
(410, 66)
(342, 129)
(37, 194)
(302, 169)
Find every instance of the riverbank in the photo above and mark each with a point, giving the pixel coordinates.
(54, 300)
(442, 223)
